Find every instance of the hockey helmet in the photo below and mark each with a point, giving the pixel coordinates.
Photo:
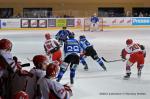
(38, 60)
(21, 95)
(64, 28)
(47, 36)
(82, 36)
(52, 69)
(71, 35)
(129, 41)
(5, 44)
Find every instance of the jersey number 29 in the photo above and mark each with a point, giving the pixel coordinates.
(72, 48)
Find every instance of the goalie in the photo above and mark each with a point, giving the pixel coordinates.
(94, 23)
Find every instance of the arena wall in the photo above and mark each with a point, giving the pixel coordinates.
(77, 8)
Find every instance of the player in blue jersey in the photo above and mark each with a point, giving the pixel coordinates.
(72, 51)
(62, 35)
(94, 23)
(88, 50)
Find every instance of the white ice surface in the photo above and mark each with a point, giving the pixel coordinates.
(95, 83)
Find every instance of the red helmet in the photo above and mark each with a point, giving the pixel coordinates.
(5, 44)
(47, 36)
(38, 60)
(52, 69)
(129, 41)
(21, 95)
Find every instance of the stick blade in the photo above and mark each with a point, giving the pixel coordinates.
(104, 60)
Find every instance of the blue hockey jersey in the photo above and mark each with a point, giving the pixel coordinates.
(62, 35)
(72, 46)
(94, 19)
(84, 43)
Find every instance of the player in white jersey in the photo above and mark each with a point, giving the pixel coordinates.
(39, 71)
(137, 53)
(51, 89)
(52, 48)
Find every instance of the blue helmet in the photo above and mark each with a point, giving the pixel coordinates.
(82, 36)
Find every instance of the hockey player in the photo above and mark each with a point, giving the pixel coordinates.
(51, 89)
(40, 62)
(52, 48)
(88, 50)
(94, 23)
(9, 68)
(72, 50)
(62, 35)
(137, 53)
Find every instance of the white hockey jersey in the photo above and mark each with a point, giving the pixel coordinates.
(50, 45)
(133, 48)
(32, 82)
(48, 86)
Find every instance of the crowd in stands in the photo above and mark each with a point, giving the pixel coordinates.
(40, 14)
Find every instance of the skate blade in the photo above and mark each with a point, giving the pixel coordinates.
(85, 69)
(125, 78)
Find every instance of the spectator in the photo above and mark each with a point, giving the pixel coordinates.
(141, 14)
(128, 14)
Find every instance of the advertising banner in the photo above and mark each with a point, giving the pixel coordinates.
(79, 22)
(25, 23)
(61, 22)
(10, 23)
(42, 23)
(51, 22)
(33, 23)
(140, 21)
(70, 22)
(120, 21)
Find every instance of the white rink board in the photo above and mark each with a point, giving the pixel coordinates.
(10, 23)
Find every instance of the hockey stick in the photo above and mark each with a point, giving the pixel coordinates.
(25, 65)
(112, 60)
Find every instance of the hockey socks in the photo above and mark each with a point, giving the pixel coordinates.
(101, 64)
(61, 73)
(82, 60)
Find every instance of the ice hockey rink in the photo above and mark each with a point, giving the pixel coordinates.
(94, 83)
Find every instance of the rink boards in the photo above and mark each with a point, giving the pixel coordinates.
(73, 23)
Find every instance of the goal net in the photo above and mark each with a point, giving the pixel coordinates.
(88, 26)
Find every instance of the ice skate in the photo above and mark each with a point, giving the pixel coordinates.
(139, 74)
(86, 68)
(127, 76)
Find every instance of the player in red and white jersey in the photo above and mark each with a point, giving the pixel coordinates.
(137, 53)
(51, 89)
(52, 48)
(5, 51)
(40, 62)
(10, 67)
